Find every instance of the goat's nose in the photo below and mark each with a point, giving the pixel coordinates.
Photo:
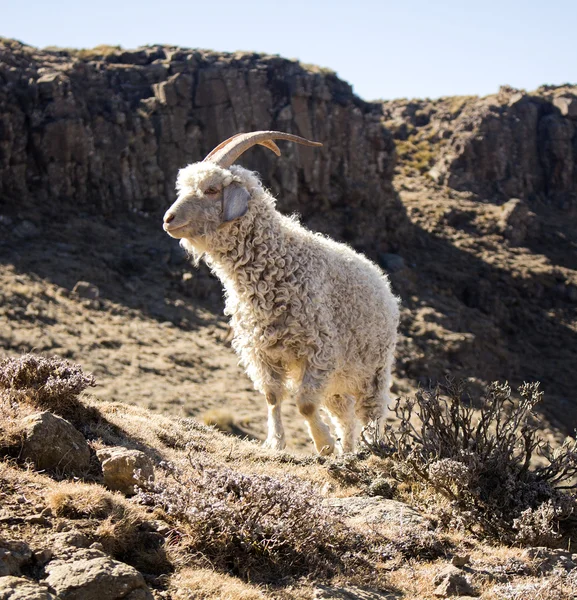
(169, 217)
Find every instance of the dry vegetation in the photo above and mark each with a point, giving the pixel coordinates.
(258, 520)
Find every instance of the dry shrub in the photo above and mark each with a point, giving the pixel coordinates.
(49, 383)
(253, 526)
(482, 462)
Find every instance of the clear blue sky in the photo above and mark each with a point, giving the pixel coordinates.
(419, 48)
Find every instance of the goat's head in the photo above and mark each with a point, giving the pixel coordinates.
(209, 193)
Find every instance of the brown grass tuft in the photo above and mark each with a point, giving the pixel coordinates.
(204, 584)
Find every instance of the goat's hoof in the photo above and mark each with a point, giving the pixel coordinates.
(275, 443)
(327, 449)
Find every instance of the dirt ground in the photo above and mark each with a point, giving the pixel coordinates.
(474, 306)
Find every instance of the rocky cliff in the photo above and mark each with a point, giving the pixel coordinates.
(509, 144)
(107, 130)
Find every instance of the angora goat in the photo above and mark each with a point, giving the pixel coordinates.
(309, 315)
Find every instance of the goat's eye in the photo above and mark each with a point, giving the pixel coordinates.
(211, 191)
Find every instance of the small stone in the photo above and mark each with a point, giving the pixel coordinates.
(26, 231)
(461, 561)
(84, 289)
(38, 520)
(391, 262)
(123, 468)
(52, 443)
(68, 539)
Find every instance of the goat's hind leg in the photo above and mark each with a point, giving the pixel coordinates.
(308, 400)
(342, 411)
(372, 407)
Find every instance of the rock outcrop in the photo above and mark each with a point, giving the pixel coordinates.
(108, 130)
(512, 144)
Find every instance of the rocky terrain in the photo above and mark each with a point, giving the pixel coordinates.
(468, 203)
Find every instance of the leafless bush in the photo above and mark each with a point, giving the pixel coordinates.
(253, 526)
(482, 462)
(51, 383)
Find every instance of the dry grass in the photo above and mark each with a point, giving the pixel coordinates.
(121, 526)
(204, 584)
(220, 418)
(229, 519)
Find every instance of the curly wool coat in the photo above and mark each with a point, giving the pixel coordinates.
(310, 316)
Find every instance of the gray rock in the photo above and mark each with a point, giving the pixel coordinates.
(123, 468)
(461, 560)
(18, 588)
(69, 539)
(26, 231)
(391, 262)
(13, 555)
(548, 559)
(52, 443)
(517, 222)
(91, 575)
(375, 510)
(567, 105)
(87, 290)
(451, 581)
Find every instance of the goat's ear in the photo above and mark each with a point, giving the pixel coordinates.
(234, 202)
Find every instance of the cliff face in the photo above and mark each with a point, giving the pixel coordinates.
(510, 144)
(107, 131)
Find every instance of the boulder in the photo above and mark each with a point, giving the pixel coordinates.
(52, 443)
(18, 588)
(89, 574)
(123, 468)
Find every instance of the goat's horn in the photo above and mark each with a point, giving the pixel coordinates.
(226, 153)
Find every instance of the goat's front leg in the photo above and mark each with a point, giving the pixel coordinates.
(308, 400)
(274, 392)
